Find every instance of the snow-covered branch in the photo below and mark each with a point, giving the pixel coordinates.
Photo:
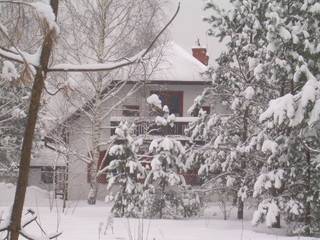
(20, 57)
(43, 9)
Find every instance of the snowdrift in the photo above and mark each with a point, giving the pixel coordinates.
(35, 195)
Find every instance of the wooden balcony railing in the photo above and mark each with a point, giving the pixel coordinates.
(147, 126)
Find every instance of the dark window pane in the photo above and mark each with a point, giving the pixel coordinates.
(130, 111)
(47, 175)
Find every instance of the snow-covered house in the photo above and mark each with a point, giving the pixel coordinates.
(177, 80)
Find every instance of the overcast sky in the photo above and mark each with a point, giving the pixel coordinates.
(189, 26)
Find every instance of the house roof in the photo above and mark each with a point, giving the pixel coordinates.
(168, 63)
(176, 66)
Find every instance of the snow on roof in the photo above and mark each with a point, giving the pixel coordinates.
(48, 157)
(178, 65)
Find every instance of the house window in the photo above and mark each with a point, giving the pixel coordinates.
(130, 111)
(47, 175)
(114, 125)
(103, 177)
(173, 99)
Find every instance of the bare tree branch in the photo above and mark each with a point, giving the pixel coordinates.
(112, 65)
(12, 56)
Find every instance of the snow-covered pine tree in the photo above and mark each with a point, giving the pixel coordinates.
(238, 83)
(166, 195)
(289, 179)
(125, 171)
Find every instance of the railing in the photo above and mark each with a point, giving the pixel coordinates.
(148, 126)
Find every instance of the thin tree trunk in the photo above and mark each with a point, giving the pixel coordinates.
(92, 198)
(277, 224)
(65, 185)
(240, 208)
(307, 210)
(243, 163)
(94, 168)
(162, 200)
(15, 225)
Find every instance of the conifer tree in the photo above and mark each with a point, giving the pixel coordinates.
(289, 178)
(125, 171)
(272, 52)
(166, 195)
(237, 82)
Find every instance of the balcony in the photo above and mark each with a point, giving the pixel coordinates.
(146, 126)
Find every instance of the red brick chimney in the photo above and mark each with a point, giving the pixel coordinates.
(200, 53)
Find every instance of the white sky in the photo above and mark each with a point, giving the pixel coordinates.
(188, 26)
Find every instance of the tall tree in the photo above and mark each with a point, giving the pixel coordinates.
(236, 83)
(289, 178)
(40, 75)
(270, 53)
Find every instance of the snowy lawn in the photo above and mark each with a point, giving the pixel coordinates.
(83, 222)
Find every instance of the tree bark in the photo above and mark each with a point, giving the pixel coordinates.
(240, 208)
(277, 223)
(162, 198)
(94, 167)
(243, 162)
(15, 225)
(307, 210)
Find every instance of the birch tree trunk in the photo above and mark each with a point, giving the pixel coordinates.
(37, 88)
(94, 167)
(96, 131)
(97, 114)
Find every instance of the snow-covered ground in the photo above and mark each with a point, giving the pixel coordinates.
(83, 222)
